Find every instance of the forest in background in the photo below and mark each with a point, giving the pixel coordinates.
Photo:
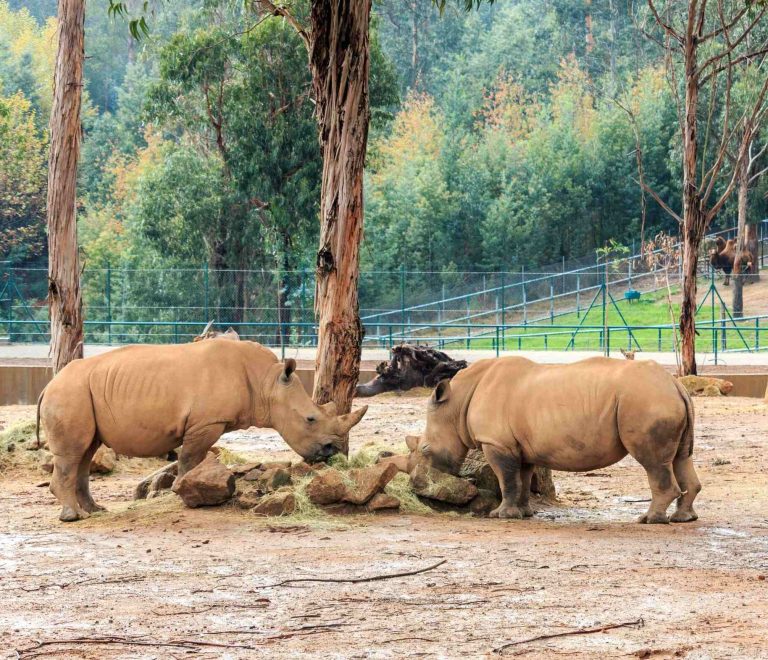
(500, 137)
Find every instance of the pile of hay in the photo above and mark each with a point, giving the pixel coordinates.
(15, 443)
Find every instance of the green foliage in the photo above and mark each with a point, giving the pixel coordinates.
(22, 180)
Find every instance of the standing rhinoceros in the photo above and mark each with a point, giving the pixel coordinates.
(575, 417)
(149, 400)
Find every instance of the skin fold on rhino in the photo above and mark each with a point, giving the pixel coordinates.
(577, 417)
(150, 400)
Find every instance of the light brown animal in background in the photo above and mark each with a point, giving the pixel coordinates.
(149, 400)
(577, 417)
(628, 355)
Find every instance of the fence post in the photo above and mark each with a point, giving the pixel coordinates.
(525, 297)
(303, 301)
(578, 296)
(206, 293)
(109, 303)
(551, 300)
(605, 291)
(402, 293)
(10, 304)
(503, 310)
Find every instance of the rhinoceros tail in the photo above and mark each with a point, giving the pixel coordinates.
(37, 419)
(685, 448)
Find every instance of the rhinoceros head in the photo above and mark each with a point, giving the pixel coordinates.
(440, 446)
(314, 432)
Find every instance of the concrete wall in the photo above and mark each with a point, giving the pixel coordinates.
(22, 385)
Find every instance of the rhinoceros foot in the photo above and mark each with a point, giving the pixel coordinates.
(68, 514)
(683, 516)
(654, 518)
(506, 511)
(527, 511)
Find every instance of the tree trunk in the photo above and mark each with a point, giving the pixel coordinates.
(542, 484)
(738, 277)
(694, 220)
(688, 306)
(64, 298)
(753, 247)
(339, 59)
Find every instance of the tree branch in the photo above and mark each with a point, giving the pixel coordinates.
(659, 200)
(666, 27)
(276, 10)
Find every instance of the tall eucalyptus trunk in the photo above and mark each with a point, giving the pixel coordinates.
(64, 297)
(339, 60)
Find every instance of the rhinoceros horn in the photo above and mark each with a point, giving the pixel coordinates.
(346, 422)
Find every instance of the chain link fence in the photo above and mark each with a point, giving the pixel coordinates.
(276, 308)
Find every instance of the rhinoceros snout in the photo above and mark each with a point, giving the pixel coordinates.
(323, 453)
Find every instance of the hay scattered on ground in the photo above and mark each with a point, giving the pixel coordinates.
(14, 444)
(229, 457)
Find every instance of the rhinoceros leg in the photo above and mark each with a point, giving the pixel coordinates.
(195, 446)
(689, 483)
(664, 490)
(64, 487)
(507, 468)
(83, 480)
(523, 502)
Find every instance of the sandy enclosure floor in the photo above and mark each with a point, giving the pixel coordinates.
(195, 583)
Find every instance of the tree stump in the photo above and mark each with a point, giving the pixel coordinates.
(411, 366)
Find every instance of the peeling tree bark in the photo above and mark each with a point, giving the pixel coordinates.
(741, 243)
(339, 60)
(64, 297)
(693, 216)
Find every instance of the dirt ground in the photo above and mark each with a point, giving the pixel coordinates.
(155, 580)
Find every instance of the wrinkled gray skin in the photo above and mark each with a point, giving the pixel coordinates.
(576, 417)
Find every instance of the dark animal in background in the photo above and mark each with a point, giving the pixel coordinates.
(411, 366)
(723, 256)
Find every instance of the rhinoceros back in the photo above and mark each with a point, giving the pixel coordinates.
(145, 398)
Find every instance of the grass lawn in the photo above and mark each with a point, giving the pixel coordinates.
(651, 310)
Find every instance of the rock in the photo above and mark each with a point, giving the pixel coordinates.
(382, 501)
(10, 447)
(705, 385)
(161, 479)
(484, 502)
(302, 469)
(326, 488)
(368, 481)
(243, 468)
(286, 465)
(207, 484)
(277, 504)
(248, 499)
(253, 475)
(46, 462)
(436, 485)
(103, 461)
(273, 479)
(477, 470)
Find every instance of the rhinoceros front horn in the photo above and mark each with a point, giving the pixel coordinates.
(346, 422)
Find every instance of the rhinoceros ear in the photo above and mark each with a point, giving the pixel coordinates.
(412, 441)
(330, 409)
(442, 391)
(289, 366)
